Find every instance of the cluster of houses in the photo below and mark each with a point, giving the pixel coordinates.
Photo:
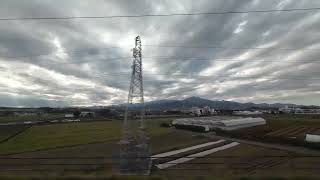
(298, 110)
(118, 113)
(207, 111)
(84, 114)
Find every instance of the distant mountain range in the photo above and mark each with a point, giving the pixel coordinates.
(200, 102)
(174, 105)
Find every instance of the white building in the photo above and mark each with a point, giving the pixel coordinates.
(87, 114)
(247, 112)
(205, 111)
(297, 110)
(69, 116)
(25, 113)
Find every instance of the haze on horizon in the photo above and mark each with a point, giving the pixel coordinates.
(258, 57)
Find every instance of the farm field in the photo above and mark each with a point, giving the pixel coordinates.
(298, 132)
(69, 134)
(5, 119)
(240, 161)
(278, 123)
(59, 135)
(246, 161)
(86, 159)
(86, 150)
(283, 120)
(8, 131)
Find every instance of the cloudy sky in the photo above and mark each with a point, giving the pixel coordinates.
(250, 57)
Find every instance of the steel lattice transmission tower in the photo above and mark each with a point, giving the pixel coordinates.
(134, 150)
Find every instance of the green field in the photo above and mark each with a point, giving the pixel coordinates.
(49, 136)
(12, 118)
(8, 131)
(68, 134)
(283, 120)
(91, 139)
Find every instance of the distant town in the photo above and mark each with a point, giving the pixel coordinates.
(193, 106)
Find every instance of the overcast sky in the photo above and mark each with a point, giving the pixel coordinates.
(87, 61)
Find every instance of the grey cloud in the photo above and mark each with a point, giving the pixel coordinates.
(88, 74)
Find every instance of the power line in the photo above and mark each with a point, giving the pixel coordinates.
(74, 62)
(195, 59)
(176, 58)
(81, 51)
(236, 48)
(228, 59)
(207, 82)
(112, 157)
(188, 75)
(201, 79)
(160, 15)
(191, 74)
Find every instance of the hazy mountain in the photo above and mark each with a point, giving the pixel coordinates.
(200, 102)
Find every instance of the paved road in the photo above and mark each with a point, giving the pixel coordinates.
(295, 149)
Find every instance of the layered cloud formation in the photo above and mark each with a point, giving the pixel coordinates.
(256, 57)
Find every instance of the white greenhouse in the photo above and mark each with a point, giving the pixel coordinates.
(314, 138)
(219, 123)
(240, 123)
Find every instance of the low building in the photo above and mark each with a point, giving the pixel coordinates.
(247, 112)
(298, 110)
(87, 114)
(26, 113)
(287, 109)
(69, 115)
(205, 111)
(307, 111)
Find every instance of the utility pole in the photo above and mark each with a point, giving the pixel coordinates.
(134, 150)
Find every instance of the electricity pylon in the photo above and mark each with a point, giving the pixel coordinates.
(134, 151)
